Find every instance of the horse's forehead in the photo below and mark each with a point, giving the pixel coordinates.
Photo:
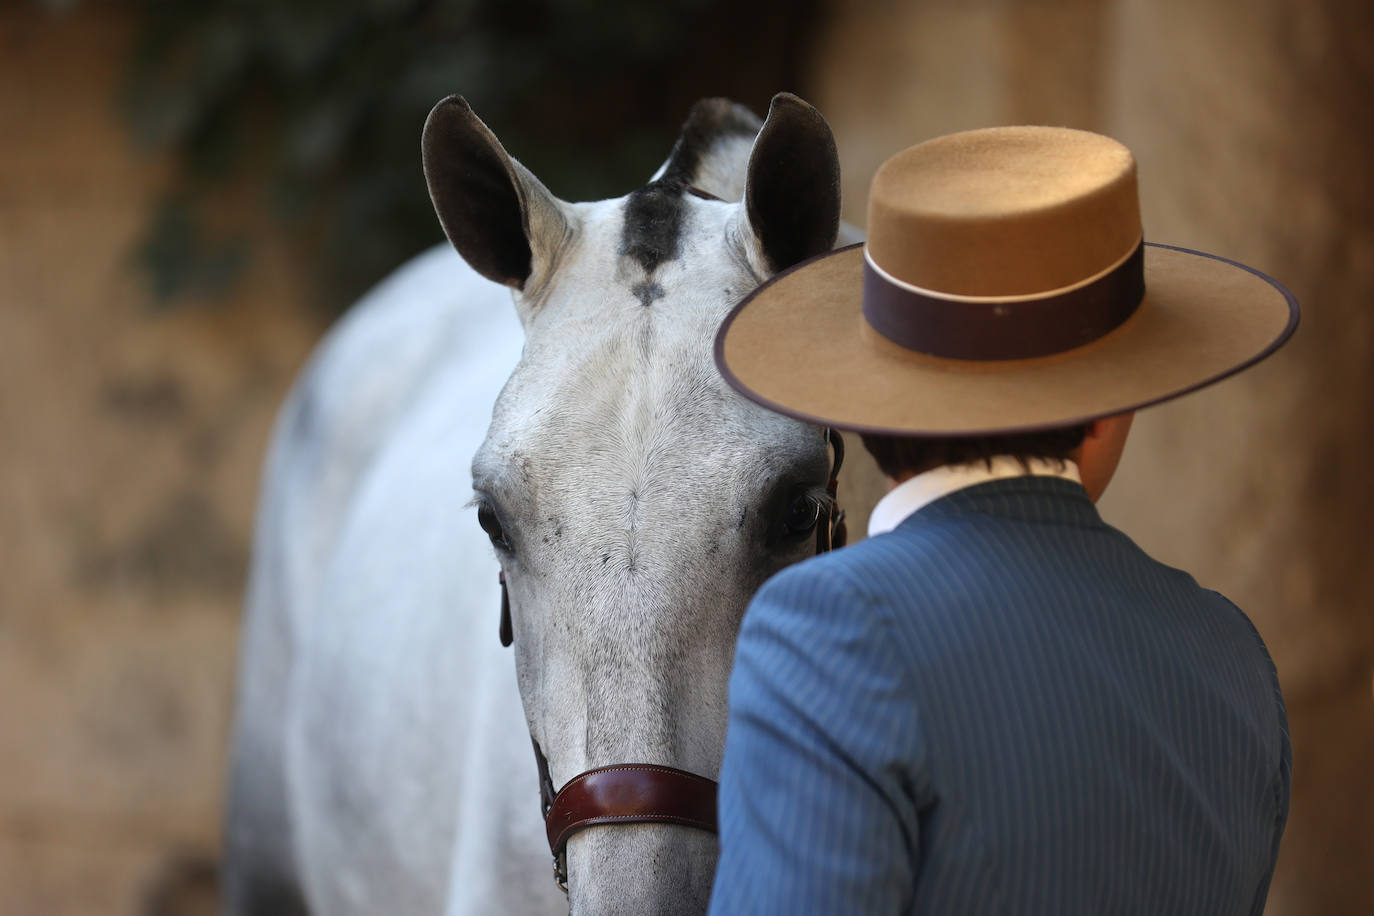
(619, 354)
(635, 379)
(643, 237)
(639, 293)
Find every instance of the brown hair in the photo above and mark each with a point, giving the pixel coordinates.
(901, 455)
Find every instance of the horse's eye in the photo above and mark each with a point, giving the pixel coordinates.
(486, 517)
(802, 515)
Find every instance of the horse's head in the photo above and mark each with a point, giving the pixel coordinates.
(635, 501)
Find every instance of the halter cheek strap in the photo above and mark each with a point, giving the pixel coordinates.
(834, 533)
(507, 633)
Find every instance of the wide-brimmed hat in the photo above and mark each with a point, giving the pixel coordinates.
(1005, 287)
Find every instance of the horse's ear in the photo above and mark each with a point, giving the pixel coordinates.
(792, 188)
(497, 214)
(712, 152)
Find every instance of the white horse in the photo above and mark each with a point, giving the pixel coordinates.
(382, 761)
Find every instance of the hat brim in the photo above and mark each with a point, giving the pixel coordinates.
(799, 345)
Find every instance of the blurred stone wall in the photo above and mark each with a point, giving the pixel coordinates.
(1253, 124)
(129, 450)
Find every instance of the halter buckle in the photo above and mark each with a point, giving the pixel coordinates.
(560, 871)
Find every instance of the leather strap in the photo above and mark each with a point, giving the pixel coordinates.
(547, 793)
(833, 534)
(507, 631)
(631, 793)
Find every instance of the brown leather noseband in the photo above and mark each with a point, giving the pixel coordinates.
(622, 793)
(644, 793)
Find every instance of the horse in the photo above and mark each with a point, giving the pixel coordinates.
(630, 502)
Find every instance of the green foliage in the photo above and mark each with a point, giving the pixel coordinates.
(316, 108)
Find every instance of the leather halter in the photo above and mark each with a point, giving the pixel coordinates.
(645, 793)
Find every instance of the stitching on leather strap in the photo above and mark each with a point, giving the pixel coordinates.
(667, 796)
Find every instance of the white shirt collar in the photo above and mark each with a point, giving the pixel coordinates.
(915, 494)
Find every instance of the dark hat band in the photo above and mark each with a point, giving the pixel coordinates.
(1003, 328)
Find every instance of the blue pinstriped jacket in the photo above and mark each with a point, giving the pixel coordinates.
(1003, 706)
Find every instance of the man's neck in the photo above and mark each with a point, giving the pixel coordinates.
(918, 490)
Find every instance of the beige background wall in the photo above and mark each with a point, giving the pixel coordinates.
(130, 440)
(129, 447)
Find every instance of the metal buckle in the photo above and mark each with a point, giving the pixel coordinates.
(560, 872)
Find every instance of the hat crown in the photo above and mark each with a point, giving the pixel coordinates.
(1004, 211)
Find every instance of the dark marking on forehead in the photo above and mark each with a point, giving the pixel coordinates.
(654, 216)
(647, 292)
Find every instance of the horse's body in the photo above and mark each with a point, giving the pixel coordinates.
(382, 758)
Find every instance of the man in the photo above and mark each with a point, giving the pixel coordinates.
(998, 703)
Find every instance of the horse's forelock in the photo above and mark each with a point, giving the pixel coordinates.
(710, 122)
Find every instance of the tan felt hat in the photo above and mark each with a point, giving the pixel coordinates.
(1005, 287)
